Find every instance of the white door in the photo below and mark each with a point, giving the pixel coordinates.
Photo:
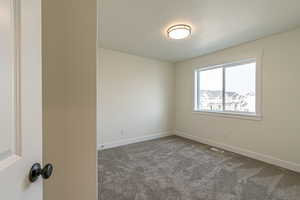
(21, 98)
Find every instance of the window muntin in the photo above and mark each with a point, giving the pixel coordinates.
(227, 88)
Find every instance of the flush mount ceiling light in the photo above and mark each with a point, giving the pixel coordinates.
(179, 31)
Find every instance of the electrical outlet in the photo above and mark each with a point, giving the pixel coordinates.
(122, 132)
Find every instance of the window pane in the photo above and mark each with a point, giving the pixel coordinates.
(240, 88)
(210, 90)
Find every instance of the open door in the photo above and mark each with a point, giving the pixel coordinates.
(21, 99)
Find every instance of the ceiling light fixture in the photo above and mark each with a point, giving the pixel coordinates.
(179, 31)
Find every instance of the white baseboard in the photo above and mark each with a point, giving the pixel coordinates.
(258, 156)
(134, 140)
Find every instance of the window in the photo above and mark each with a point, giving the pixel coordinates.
(228, 88)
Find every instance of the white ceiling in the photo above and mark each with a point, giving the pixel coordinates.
(139, 26)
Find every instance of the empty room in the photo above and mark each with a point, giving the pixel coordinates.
(149, 100)
(198, 100)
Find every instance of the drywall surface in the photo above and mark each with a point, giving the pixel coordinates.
(81, 100)
(275, 138)
(69, 77)
(136, 96)
(54, 99)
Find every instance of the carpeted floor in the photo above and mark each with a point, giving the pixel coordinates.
(174, 168)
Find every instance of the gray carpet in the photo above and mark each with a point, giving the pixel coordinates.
(174, 168)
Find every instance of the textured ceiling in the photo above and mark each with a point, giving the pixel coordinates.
(139, 26)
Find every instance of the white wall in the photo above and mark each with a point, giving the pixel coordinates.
(276, 138)
(136, 97)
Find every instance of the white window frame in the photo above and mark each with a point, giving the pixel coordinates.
(243, 115)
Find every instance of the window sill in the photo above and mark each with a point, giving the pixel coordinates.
(245, 116)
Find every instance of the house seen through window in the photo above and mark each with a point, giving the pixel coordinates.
(228, 88)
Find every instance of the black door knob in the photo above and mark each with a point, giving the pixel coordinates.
(47, 171)
(36, 171)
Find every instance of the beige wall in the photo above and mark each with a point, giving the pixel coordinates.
(69, 76)
(136, 97)
(81, 96)
(277, 136)
(54, 99)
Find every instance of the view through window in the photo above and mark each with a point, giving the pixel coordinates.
(226, 88)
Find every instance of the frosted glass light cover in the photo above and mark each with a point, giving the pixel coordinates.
(179, 31)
